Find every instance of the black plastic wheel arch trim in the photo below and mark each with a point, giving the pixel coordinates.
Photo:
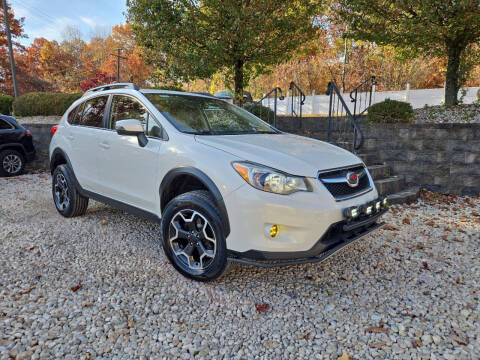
(312, 259)
(206, 181)
(103, 199)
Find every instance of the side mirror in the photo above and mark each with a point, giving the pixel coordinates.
(132, 127)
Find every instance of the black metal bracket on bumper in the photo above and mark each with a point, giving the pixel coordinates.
(349, 233)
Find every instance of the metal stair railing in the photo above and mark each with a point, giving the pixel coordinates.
(297, 99)
(263, 110)
(343, 129)
(361, 96)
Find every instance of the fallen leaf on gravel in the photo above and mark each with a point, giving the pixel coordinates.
(463, 219)
(262, 308)
(378, 345)
(77, 287)
(410, 315)
(425, 265)
(31, 247)
(406, 221)
(131, 322)
(344, 357)
(475, 214)
(104, 222)
(26, 291)
(430, 223)
(445, 237)
(390, 228)
(461, 340)
(376, 329)
(308, 277)
(87, 304)
(426, 293)
(416, 343)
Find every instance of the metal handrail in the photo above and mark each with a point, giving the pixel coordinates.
(368, 85)
(277, 94)
(357, 132)
(293, 86)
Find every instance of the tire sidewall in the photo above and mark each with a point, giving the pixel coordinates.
(5, 153)
(198, 204)
(71, 188)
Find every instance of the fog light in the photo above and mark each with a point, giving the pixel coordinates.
(274, 231)
(368, 210)
(378, 205)
(351, 213)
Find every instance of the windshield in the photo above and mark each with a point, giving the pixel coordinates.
(205, 116)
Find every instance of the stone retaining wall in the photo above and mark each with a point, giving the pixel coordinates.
(440, 157)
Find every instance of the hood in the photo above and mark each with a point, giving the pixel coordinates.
(296, 155)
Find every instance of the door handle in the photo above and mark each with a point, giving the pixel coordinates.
(104, 146)
(69, 137)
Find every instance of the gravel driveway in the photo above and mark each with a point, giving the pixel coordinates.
(100, 286)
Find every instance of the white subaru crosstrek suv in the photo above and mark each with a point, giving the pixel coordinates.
(223, 184)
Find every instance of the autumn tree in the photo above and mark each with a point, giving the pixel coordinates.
(16, 30)
(443, 28)
(200, 38)
(133, 67)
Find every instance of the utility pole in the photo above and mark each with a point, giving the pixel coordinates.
(345, 59)
(345, 62)
(10, 49)
(119, 57)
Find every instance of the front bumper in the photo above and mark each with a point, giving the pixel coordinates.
(335, 238)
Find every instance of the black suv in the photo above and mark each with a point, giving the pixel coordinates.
(16, 146)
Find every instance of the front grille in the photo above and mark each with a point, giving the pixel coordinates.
(336, 182)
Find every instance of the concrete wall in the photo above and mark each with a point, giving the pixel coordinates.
(41, 141)
(440, 157)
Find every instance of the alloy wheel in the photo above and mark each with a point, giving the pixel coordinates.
(12, 163)
(192, 240)
(62, 194)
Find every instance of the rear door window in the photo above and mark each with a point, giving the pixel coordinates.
(5, 125)
(93, 112)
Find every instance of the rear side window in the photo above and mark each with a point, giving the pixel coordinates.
(4, 125)
(71, 116)
(76, 114)
(93, 111)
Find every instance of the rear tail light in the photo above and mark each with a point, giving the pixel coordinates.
(54, 130)
(28, 133)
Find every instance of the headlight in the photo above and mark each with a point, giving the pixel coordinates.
(266, 179)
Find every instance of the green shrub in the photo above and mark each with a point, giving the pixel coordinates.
(43, 103)
(390, 111)
(6, 102)
(263, 112)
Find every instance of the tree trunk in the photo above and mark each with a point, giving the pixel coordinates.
(452, 82)
(238, 79)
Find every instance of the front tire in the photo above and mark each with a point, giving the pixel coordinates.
(67, 199)
(12, 163)
(193, 237)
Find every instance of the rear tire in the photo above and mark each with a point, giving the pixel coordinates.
(193, 236)
(12, 163)
(67, 199)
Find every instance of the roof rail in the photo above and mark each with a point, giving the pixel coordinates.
(113, 86)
